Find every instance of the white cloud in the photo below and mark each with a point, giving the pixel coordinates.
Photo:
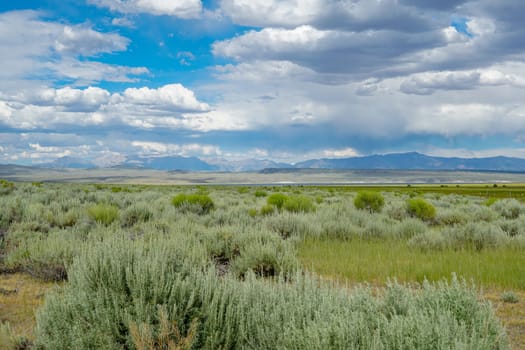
(165, 149)
(171, 106)
(481, 26)
(5, 110)
(89, 72)
(429, 82)
(89, 99)
(340, 153)
(261, 70)
(369, 87)
(452, 35)
(272, 40)
(468, 119)
(357, 15)
(272, 12)
(468, 153)
(177, 8)
(44, 50)
(224, 119)
(171, 97)
(85, 41)
(185, 58)
(44, 149)
(361, 54)
(359, 40)
(122, 22)
(43, 154)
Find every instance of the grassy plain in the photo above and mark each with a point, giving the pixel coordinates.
(271, 177)
(378, 261)
(231, 268)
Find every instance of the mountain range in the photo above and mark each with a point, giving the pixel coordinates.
(393, 161)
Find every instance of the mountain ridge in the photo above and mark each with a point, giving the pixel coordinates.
(391, 161)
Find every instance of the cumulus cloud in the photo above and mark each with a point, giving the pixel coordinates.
(169, 106)
(429, 82)
(87, 42)
(340, 153)
(468, 153)
(171, 97)
(436, 5)
(47, 50)
(148, 148)
(5, 110)
(265, 71)
(89, 72)
(74, 100)
(330, 51)
(288, 13)
(332, 14)
(469, 119)
(177, 8)
(369, 87)
(358, 40)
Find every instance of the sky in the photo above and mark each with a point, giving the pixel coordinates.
(286, 80)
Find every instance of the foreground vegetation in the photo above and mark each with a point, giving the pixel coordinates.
(235, 268)
(376, 261)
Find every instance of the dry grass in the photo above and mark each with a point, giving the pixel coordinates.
(20, 296)
(168, 337)
(511, 314)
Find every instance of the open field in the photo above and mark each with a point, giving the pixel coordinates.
(205, 267)
(272, 176)
(377, 261)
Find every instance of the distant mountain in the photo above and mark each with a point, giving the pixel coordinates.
(168, 163)
(246, 164)
(68, 162)
(393, 161)
(416, 161)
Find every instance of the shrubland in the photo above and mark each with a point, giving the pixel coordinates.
(206, 268)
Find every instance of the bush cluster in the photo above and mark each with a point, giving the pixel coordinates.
(369, 200)
(103, 213)
(198, 203)
(6, 187)
(136, 214)
(293, 204)
(421, 209)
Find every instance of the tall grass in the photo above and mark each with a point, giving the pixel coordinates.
(103, 213)
(378, 260)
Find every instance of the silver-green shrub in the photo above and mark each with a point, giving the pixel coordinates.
(508, 208)
(476, 236)
(430, 241)
(135, 214)
(118, 284)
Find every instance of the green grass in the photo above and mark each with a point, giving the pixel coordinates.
(103, 213)
(511, 190)
(377, 261)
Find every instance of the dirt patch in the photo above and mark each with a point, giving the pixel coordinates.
(512, 315)
(20, 298)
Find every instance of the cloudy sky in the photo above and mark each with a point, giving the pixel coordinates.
(269, 79)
